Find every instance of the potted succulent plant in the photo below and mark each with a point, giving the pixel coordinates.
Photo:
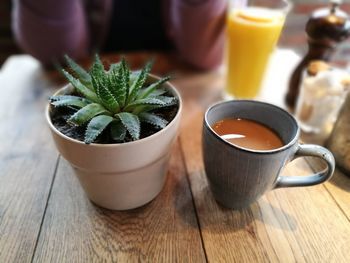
(116, 129)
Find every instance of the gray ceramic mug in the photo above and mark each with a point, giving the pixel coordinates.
(238, 176)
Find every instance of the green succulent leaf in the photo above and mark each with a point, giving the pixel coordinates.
(140, 80)
(151, 103)
(114, 66)
(131, 122)
(118, 131)
(67, 100)
(63, 97)
(133, 77)
(80, 73)
(148, 108)
(97, 68)
(125, 80)
(83, 90)
(87, 113)
(153, 119)
(97, 73)
(147, 101)
(151, 88)
(101, 84)
(105, 95)
(96, 126)
(117, 85)
(168, 101)
(157, 92)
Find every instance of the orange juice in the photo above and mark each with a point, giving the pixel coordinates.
(252, 34)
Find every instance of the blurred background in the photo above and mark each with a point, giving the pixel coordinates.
(293, 35)
(7, 43)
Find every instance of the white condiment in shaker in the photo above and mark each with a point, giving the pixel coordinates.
(320, 100)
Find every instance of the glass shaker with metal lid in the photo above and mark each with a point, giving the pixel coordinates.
(325, 29)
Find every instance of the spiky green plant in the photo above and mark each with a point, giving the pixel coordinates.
(116, 99)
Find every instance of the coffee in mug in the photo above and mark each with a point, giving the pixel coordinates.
(248, 134)
(238, 174)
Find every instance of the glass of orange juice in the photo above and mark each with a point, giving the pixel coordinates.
(253, 29)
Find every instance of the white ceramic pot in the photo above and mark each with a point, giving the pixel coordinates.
(120, 176)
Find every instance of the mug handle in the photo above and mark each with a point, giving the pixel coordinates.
(319, 177)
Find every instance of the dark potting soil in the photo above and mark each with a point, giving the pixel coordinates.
(59, 116)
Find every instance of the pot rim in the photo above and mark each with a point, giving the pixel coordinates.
(158, 133)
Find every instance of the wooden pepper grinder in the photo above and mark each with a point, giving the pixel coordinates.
(326, 28)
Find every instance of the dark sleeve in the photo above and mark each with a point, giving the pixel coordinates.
(47, 29)
(197, 29)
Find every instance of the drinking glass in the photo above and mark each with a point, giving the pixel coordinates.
(253, 29)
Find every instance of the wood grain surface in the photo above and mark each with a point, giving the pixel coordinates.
(286, 225)
(46, 217)
(27, 158)
(338, 187)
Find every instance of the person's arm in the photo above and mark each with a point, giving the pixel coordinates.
(197, 29)
(48, 29)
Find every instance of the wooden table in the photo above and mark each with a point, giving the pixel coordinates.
(46, 217)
